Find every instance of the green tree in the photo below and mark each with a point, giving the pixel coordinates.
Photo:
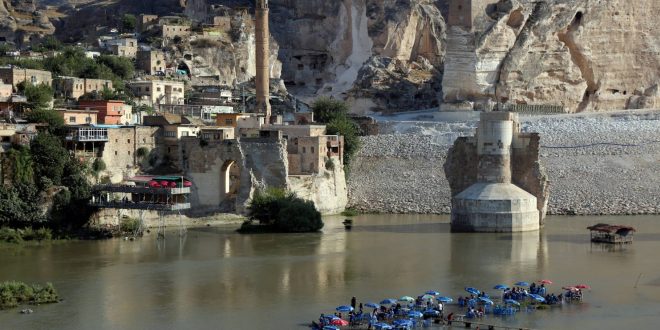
(20, 161)
(48, 43)
(44, 116)
(298, 216)
(38, 96)
(347, 128)
(120, 66)
(49, 157)
(19, 204)
(128, 22)
(326, 109)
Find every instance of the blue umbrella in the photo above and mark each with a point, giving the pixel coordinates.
(433, 293)
(537, 297)
(372, 305)
(472, 291)
(444, 299)
(388, 301)
(344, 309)
(330, 327)
(512, 302)
(522, 283)
(486, 300)
(402, 323)
(382, 326)
(501, 287)
(415, 314)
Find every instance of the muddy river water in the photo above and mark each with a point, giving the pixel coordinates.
(214, 278)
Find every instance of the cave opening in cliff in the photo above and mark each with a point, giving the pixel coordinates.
(578, 18)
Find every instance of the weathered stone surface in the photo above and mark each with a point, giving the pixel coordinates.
(583, 55)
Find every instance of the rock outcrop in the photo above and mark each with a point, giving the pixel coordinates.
(582, 55)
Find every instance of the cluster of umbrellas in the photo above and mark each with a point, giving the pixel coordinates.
(336, 322)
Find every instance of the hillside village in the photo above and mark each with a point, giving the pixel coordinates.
(143, 105)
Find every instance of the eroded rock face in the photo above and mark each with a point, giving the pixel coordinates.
(583, 55)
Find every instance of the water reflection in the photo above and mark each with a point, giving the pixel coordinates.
(217, 278)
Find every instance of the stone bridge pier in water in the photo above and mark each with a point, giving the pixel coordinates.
(497, 182)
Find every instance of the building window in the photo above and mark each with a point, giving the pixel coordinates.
(304, 150)
(129, 152)
(229, 121)
(88, 120)
(311, 149)
(115, 152)
(128, 141)
(72, 119)
(146, 89)
(157, 89)
(185, 133)
(144, 140)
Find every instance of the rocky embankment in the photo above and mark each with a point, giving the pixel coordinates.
(597, 164)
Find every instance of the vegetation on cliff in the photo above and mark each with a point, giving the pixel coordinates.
(334, 113)
(13, 294)
(278, 210)
(45, 172)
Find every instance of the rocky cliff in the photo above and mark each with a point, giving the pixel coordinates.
(582, 55)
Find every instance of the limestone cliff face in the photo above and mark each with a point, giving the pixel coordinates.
(582, 55)
(327, 189)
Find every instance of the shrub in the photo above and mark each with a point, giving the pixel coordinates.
(43, 234)
(326, 109)
(142, 152)
(330, 164)
(14, 293)
(98, 165)
(298, 216)
(349, 213)
(129, 225)
(282, 211)
(10, 235)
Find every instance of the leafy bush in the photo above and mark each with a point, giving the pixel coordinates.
(45, 116)
(349, 213)
(38, 96)
(14, 293)
(10, 235)
(142, 152)
(98, 165)
(298, 216)
(19, 204)
(282, 211)
(129, 225)
(326, 109)
(49, 156)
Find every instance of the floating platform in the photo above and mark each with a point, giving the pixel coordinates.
(611, 234)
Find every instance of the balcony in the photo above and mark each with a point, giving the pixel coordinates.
(87, 134)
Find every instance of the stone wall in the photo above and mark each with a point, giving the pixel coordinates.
(120, 153)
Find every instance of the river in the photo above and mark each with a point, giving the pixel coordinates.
(214, 278)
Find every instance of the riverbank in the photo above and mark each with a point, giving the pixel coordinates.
(598, 164)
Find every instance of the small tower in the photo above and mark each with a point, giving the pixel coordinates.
(262, 80)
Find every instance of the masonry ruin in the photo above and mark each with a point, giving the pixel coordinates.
(497, 183)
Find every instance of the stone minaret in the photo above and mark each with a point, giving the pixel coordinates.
(262, 80)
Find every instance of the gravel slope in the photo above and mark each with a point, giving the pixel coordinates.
(597, 164)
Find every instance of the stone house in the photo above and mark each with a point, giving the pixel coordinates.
(309, 149)
(15, 76)
(146, 22)
(173, 128)
(216, 133)
(74, 88)
(150, 61)
(169, 32)
(156, 92)
(125, 47)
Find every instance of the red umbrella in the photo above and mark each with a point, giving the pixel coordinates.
(545, 282)
(339, 322)
(582, 286)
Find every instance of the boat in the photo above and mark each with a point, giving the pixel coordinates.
(611, 234)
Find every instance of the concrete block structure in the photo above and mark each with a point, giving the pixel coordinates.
(78, 117)
(155, 92)
(150, 61)
(111, 112)
(492, 203)
(15, 76)
(74, 88)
